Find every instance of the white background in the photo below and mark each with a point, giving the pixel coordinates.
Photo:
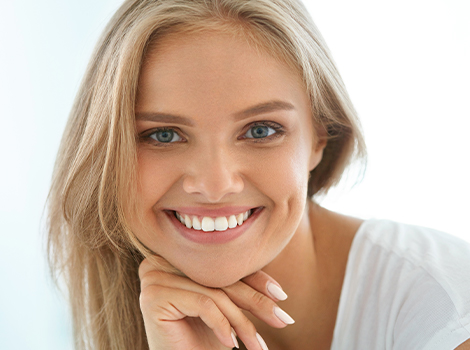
(405, 64)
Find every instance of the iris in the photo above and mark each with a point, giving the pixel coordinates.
(166, 135)
(259, 131)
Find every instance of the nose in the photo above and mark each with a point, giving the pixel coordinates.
(213, 173)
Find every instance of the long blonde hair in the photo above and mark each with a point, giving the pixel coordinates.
(91, 246)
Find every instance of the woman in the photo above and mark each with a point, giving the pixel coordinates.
(181, 201)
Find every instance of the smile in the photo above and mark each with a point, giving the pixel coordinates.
(213, 226)
(209, 224)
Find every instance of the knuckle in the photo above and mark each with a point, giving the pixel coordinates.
(204, 302)
(246, 325)
(148, 295)
(151, 277)
(218, 294)
(222, 321)
(259, 301)
(153, 263)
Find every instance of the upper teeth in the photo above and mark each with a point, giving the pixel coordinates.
(220, 223)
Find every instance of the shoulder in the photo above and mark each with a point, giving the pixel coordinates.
(439, 254)
(409, 283)
(407, 253)
(416, 240)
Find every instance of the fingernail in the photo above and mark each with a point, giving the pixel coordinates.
(261, 342)
(234, 338)
(276, 291)
(283, 316)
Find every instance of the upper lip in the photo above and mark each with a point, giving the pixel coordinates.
(199, 211)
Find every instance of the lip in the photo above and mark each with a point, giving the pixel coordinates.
(214, 237)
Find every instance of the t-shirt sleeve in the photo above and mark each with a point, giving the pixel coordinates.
(429, 319)
(405, 288)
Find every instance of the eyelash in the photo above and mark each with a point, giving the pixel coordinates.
(278, 131)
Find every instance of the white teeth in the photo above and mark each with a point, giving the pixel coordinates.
(207, 224)
(232, 221)
(196, 223)
(240, 218)
(187, 221)
(221, 223)
(180, 218)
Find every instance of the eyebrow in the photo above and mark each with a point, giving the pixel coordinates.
(265, 107)
(164, 118)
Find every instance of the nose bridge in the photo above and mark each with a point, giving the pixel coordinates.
(213, 172)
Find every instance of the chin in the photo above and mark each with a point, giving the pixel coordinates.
(222, 277)
(212, 280)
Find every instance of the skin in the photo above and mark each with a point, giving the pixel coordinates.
(208, 78)
(464, 346)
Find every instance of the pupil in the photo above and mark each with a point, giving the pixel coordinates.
(165, 135)
(260, 131)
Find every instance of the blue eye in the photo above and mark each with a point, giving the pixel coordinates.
(259, 132)
(165, 136)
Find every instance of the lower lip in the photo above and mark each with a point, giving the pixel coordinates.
(213, 237)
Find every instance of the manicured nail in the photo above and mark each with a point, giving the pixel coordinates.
(234, 338)
(261, 342)
(276, 291)
(283, 316)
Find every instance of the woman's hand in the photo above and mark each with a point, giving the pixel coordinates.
(180, 314)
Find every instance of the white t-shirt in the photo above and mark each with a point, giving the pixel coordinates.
(405, 288)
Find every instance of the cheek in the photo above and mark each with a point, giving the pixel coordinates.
(151, 179)
(282, 177)
(282, 174)
(156, 176)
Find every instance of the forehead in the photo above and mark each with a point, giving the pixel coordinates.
(199, 33)
(218, 68)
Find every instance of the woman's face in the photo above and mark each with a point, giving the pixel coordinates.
(224, 131)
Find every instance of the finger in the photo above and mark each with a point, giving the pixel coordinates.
(258, 304)
(156, 262)
(244, 328)
(265, 284)
(166, 305)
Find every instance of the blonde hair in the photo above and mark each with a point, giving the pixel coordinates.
(91, 245)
